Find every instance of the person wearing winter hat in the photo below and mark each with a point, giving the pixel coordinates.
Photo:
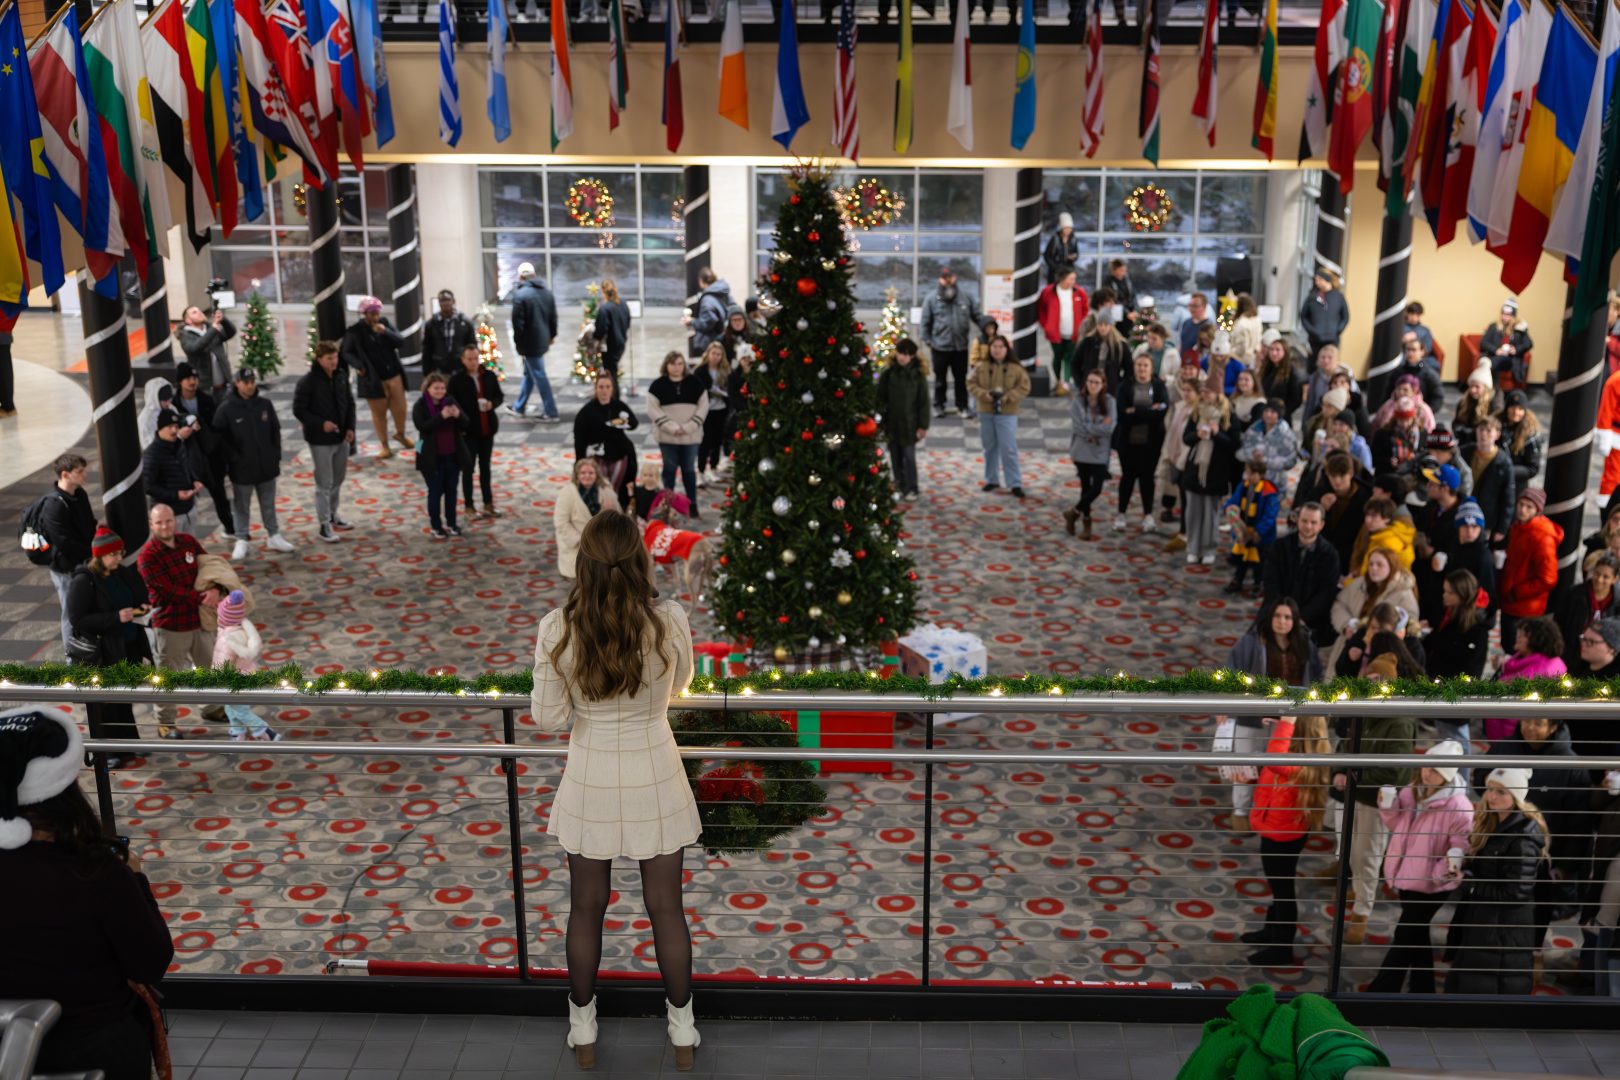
(209, 462)
(1223, 365)
(1505, 343)
(1062, 251)
(85, 925)
(1522, 437)
(1429, 823)
(1477, 402)
(1471, 551)
(166, 468)
(1529, 568)
(104, 600)
(237, 645)
(371, 347)
(1494, 935)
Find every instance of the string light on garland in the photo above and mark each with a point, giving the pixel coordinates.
(590, 203)
(1148, 208)
(867, 204)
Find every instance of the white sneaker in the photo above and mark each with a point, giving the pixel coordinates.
(240, 551)
(1147, 523)
(1208, 559)
(277, 542)
(1191, 558)
(1119, 523)
(703, 479)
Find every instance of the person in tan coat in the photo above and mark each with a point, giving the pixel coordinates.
(998, 384)
(581, 499)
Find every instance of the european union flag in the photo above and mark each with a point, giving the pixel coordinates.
(1023, 121)
(22, 146)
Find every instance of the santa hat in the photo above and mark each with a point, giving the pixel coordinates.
(40, 755)
(232, 609)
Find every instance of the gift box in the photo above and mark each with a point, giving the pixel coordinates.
(844, 731)
(934, 652)
(717, 659)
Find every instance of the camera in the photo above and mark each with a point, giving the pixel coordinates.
(216, 285)
(120, 847)
(995, 400)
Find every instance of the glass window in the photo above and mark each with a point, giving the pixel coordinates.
(524, 217)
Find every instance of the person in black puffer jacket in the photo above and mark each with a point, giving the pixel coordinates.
(534, 328)
(1493, 936)
(104, 599)
(166, 470)
(324, 406)
(478, 391)
(251, 432)
(599, 432)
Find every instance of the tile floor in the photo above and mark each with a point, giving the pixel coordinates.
(309, 1046)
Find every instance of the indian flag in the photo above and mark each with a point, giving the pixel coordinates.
(562, 78)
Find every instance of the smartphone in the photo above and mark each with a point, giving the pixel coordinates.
(120, 847)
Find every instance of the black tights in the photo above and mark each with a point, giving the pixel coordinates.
(1279, 861)
(590, 886)
(1092, 479)
(1411, 953)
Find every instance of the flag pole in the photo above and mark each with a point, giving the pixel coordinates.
(1394, 264)
(405, 259)
(1026, 282)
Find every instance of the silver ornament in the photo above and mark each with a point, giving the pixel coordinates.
(833, 440)
(766, 465)
(781, 505)
(815, 643)
(802, 324)
(822, 374)
(813, 524)
(789, 556)
(814, 479)
(843, 350)
(832, 305)
(776, 425)
(770, 575)
(807, 397)
(842, 639)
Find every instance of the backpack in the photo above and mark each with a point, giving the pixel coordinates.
(31, 532)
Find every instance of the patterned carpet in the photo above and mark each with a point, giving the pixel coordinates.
(276, 864)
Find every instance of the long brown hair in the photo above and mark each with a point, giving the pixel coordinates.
(1485, 823)
(608, 616)
(610, 290)
(1311, 737)
(1521, 433)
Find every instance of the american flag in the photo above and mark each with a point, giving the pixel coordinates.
(1091, 112)
(846, 113)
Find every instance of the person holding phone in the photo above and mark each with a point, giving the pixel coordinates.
(441, 453)
(105, 600)
(83, 928)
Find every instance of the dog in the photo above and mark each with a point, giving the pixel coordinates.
(688, 554)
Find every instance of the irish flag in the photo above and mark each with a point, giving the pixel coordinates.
(733, 72)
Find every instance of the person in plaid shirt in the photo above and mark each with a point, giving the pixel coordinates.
(168, 564)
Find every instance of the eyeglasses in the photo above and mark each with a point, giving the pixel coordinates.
(1591, 639)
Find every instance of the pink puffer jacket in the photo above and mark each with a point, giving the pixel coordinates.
(1420, 836)
(1534, 666)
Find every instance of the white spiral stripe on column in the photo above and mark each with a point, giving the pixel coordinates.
(1381, 368)
(395, 211)
(106, 333)
(162, 344)
(1336, 222)
(1580, 380)
(1025, 332)
(1570, 559)
(409, 246)
(1391, 260)
(1577, 443)
(329, 290)
(1029, 200)
(1028, 234)
(111, 494)
(1393, 310)
(113, 402)
(1554, 509)
(324, 239)
(693, 204)
(148, 301)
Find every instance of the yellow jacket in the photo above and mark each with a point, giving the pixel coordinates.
(1395, 538)
(1009, 377)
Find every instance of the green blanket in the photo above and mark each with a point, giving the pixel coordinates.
(1258, 1039)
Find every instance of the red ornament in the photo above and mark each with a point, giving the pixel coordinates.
(860, 328)
(750, 425)
(780, 385)
(866, 427)
(813, 236)
(873, 470)
(820, 422)
(794, 199)
(838, 393)
(809, 360)
(732, 783)
(736, 436)
(912, 576)
(725, 560)
(776, 331)
(775, 278)
(767, 532)
(832, 341)
(849, 479)
(781, 354)
(806, 286)
(806, 436)
(860, 553)
(782, 619)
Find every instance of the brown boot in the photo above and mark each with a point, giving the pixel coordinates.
(1085, 528)
(1330, 872)
(1070, 516)
(1355, 930)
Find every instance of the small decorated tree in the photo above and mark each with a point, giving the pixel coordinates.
(489, 350)
(812, 556)
(260, 353)
(891, 327)
(587, 352)
(314, 338)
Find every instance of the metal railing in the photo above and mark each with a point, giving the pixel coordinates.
(1038, 843)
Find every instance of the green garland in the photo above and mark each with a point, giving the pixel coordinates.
(519, 682)
(789, 793)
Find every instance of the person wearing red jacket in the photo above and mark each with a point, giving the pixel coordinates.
(1061, 309)
(1288, 803)
(1606, 433)
(1529, 571)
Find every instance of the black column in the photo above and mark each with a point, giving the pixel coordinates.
(326, 259)
(1394, 261)
(155, 316)
(1026, 263)
(1581, 362)
(405, 258)
(1332, 225)
(696, 224)
(112, 396)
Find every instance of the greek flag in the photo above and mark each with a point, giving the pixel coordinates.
(449, 89)
(500, 115)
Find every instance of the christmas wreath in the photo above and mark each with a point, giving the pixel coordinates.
(1148, 208)
(590, 203)
(867, 204)
(745, 806)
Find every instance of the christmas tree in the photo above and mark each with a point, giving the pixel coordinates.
(489, 351)
(587, 350)
(314, 338)
(891, 327)
(260, 353)
(812, 555)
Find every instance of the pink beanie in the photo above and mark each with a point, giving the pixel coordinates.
(232, 609)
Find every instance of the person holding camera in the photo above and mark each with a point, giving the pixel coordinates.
(371, 348)
(104, 599)
(86, 931)
(999, 384)
(166, 467)
(203, 336)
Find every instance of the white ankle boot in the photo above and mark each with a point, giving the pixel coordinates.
(582, 1033)
(683, 1034)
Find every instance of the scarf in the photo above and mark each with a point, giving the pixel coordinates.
(592, 498)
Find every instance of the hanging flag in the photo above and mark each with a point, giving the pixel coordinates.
(562, 76)
(1205, 101)
(789, 112)
(1468, 90)
(1438, 131)
(291, 58)
(618, 63)
(1264, 138)
(118, 135)
(1566, 232)
(209, 104)
(959, 113)
(1352, 86)
(14, 279)
(22, 149)
(72, 149)
(1514, 68)
(168, 70)
(1431, 94)
(244, 148)
(1147, 114)
(905, 120)
(1601, 241)
(1023, 119)
(1557, 115)
(846, 112)
(312, 20)
(674, 116)
(1406, 81)
(733, 69)
(382, 102)
(117, 31)
(275, 113)
(335, 44)
(1383, 71)
(500, 113)
(449, 88)
(1319, 92)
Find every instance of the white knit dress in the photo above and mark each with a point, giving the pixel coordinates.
(623, 791)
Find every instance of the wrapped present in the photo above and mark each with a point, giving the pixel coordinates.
(934, 652)
(844, 731)
(719, 659)
(888, 658)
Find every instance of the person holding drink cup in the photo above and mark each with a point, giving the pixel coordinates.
(1429, 822)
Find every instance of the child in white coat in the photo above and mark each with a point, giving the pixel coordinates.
(238, 645)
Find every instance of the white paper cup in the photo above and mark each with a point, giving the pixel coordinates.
(1387, 795)
(1454, 859)
(1440, 558)
(1499, 557)
(1611, 781)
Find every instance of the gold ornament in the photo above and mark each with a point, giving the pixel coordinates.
(789, 556)
(813, 479)
(827, 264)
(1148, 208)
(780, 653)
(844, 598)
(815, 611)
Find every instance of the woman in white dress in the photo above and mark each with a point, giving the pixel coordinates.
(624, 793)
